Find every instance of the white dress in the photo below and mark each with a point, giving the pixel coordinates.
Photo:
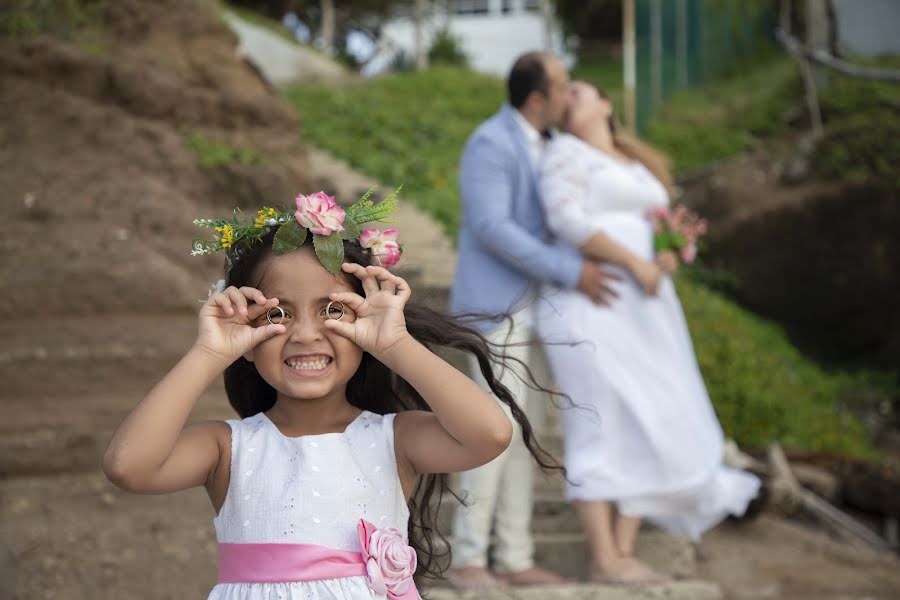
(644, 433)
(312, 489)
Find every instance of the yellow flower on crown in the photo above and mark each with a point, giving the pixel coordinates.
(265, 215)
(227, 237)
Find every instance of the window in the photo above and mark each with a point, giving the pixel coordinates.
(470, 7)
(533, 5)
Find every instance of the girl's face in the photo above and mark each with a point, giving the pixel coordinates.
(586, 106)
(308, 361)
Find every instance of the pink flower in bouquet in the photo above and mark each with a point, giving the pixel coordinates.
(382, 245)
(677, 230)
(390, 560)
(688, 253)
(657, 216)
(319, 213)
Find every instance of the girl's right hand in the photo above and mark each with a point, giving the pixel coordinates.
(226, 322)
(648, 275)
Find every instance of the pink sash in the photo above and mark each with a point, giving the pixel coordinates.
(272, 563)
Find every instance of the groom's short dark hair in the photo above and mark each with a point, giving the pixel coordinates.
(528, 74)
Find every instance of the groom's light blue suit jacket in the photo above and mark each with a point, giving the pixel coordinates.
(504, 246)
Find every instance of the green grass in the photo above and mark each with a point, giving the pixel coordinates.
(60, 18)
(409, 128)
(212, 154)
(713, 122)
(763, 389)
(862, 130)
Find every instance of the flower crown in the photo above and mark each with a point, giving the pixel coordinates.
(317, 214)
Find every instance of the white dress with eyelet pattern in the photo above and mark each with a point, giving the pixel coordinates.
(309, 490)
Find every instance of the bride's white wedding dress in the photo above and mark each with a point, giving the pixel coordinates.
(644, 433)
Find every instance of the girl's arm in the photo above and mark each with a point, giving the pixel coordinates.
(152, 451)
(468, 427)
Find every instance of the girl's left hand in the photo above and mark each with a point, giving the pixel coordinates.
(667, 260)
(379, 323)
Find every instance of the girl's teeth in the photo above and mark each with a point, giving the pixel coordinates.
(309, 365)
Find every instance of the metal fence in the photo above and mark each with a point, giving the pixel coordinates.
(682, 43)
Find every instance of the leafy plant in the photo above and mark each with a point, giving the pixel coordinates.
(447, 50)
(214, 154)
(62, 18)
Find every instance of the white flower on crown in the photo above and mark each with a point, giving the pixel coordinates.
(217, 287)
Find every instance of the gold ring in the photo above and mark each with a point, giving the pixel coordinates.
(328, 310)
(280, 318)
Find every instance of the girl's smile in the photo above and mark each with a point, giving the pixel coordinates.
(309, 365)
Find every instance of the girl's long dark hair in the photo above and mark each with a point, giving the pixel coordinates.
(376, 388)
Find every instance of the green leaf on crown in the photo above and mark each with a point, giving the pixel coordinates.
(351, 230)
(330, 250)
(289, 236)
(366, 211)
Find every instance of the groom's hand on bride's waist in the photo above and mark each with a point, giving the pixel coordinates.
(596, 282)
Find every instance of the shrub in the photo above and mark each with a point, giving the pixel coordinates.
(447, 50)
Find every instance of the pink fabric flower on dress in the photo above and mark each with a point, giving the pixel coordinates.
(382, 245)
(390, 561)
(319, 213)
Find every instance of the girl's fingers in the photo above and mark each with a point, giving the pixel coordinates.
(350, 299)
(261, 334)
(369, 283)
(223, 301)
(237, 299)
(392, 283)
(385, 280)
(341, 328)
(254, 294)
(255, 311)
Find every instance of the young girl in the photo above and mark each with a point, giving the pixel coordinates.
(329, 369)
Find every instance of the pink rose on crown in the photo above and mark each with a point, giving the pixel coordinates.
(319, 213)
(390, 560)
(382, 245)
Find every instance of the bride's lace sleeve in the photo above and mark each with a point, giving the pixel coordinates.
(564, 189)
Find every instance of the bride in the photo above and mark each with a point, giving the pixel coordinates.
(643, 440)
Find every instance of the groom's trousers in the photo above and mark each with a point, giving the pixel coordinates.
(499, 495)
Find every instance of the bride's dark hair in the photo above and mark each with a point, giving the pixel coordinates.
(377, 389)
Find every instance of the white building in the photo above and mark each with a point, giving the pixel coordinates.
(492, 33)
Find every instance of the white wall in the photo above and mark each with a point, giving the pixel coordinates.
(492, 42)
(868, 27)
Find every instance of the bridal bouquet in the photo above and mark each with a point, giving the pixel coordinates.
(677, 230)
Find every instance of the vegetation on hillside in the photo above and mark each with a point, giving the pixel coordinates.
(410, 128)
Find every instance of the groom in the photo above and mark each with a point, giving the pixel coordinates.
(504, 257)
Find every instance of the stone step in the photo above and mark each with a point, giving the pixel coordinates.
(567, 554)
(679, 590)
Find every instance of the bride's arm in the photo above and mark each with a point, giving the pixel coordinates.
(564, 189)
